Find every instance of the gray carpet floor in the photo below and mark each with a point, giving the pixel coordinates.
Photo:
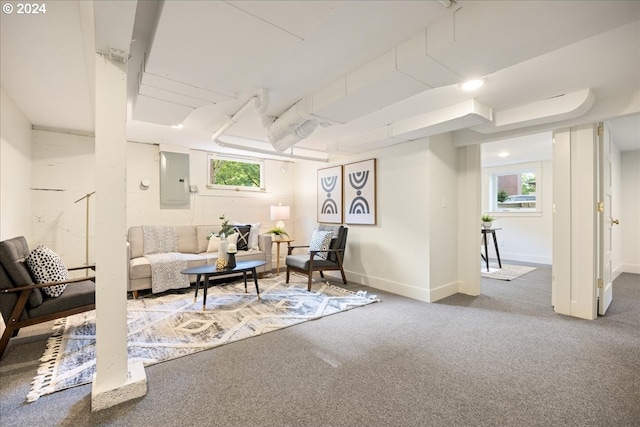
(500, 359)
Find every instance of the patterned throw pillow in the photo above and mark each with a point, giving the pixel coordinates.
(243, 232)
(253, 235)
(320, 241)
(47, 266)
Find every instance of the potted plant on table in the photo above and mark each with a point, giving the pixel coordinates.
(278, 232)
(487, 220)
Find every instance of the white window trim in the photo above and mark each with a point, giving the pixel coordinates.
(490, 183)
(216, 156)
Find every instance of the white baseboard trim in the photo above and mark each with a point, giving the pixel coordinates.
(443, 291)
(536, 259)
(404, 289)
(627, 268)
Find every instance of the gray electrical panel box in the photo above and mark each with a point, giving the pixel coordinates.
(174, 181)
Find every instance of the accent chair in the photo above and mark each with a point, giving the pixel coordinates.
(313, 260)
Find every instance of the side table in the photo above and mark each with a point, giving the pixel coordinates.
(485, 256)
(278, 242)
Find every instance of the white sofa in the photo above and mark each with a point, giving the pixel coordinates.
(192, 243)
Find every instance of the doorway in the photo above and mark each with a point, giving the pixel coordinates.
(516, 190)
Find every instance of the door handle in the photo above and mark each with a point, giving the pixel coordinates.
(615, 221)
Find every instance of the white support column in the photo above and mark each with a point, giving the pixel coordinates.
(115, 380)
(469, 220)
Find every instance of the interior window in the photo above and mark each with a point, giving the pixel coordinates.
(235, 172)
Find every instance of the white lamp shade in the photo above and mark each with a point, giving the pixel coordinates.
(279, 213)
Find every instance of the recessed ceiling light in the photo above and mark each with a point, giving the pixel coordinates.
(503, 154)
(472, 84)
(180, 126)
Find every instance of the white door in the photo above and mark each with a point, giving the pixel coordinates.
(605, 220)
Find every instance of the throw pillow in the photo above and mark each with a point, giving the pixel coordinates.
(243, 232)
(253, 235)
(47, 266)
(320, 241)
(233, 239)
(214, 244)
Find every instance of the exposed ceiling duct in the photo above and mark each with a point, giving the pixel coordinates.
(561, 107)
(462, 115)
(260, 104)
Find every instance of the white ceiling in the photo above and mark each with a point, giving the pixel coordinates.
(388, 69)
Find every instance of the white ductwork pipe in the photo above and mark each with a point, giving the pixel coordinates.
(290, 120)
(260, 103)
(301, 132)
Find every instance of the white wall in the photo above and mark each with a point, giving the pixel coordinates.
(413, 230)
(63, 172)
(63, 168)
(15, 171)
(443, 217)
(630, 211)
(143, 205)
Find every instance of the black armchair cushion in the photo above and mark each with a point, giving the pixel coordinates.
(8, 301)
(76, 295)
(13, 253)
(302, 262)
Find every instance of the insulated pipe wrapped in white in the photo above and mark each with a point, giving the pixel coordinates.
(290, 120)
(301, 132)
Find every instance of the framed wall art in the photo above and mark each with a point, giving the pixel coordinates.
(330, 195)
(360, 192)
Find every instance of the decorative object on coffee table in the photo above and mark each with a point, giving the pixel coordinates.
(231, 256)
(220, 263)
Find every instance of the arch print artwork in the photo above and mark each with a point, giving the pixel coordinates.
(330, 195)
(360, 192)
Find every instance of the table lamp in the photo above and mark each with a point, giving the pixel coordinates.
(280, 213)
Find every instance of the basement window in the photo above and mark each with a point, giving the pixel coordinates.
(514, 188)
(236, 173)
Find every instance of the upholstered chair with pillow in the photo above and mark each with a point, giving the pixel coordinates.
(324, 252)
(35, 287)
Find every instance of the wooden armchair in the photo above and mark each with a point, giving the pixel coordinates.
(22, 302)
(310, 262)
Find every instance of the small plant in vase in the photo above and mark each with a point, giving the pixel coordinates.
(487, 220)
(278, 232)
(225, 229)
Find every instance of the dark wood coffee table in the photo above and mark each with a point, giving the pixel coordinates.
(210, 270)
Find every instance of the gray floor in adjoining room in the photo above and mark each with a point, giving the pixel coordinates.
(503, 358)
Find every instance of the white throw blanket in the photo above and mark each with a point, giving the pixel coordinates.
(161, 249)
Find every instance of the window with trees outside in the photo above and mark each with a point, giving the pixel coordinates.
(514, 188)
(235, 173)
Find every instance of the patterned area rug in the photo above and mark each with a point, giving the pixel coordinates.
(507, 272)
(172, 325)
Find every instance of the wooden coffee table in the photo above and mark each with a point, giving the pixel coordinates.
(210, 270)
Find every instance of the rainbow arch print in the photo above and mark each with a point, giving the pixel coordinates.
(360, 192)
